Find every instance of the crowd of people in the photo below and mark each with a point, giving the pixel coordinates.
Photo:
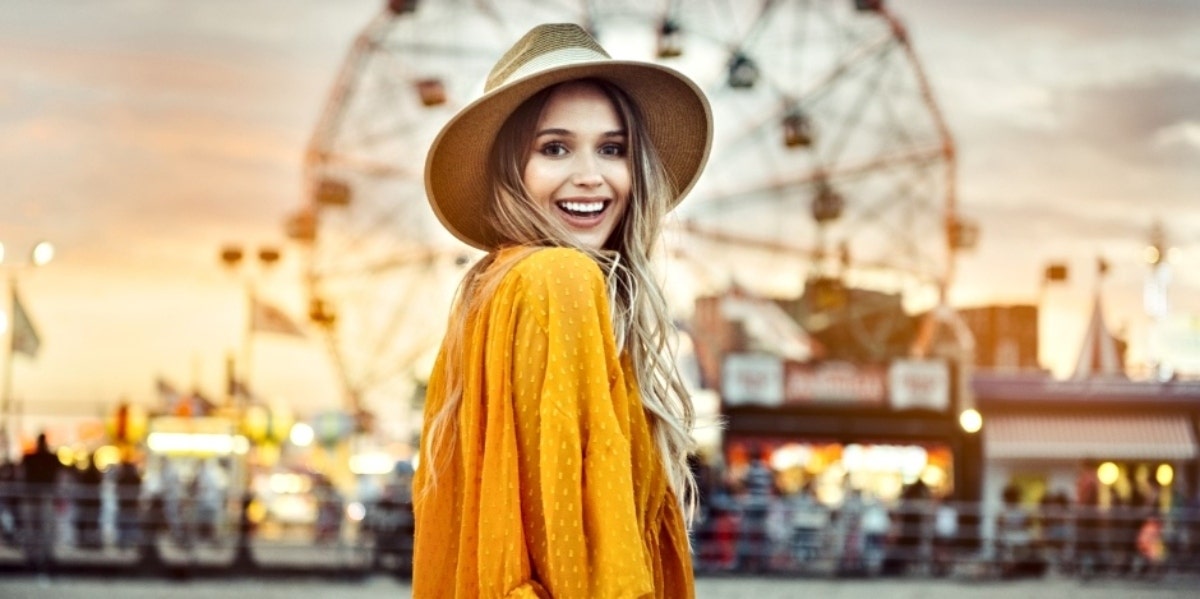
(748, 523)
(44, 503)
(1126, 535)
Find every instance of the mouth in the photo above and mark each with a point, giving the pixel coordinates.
(583, 212)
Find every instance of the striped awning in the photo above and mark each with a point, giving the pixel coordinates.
(1089, 437)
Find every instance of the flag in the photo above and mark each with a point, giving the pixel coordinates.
(266, 318)
(25, 338)
(168, 395)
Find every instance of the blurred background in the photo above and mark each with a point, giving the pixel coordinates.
(945, 254)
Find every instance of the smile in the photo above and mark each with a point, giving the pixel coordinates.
(583, 209)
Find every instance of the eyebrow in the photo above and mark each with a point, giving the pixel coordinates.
(568, 133)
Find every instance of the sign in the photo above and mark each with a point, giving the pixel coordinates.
(834, 382)
(919, 385)
(752, 379)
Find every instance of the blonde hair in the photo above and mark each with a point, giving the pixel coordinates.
(641, 321)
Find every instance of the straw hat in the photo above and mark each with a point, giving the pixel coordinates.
(675, 111)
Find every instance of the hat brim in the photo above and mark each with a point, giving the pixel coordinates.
(677, 116)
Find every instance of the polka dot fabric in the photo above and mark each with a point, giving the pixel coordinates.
(553, 486)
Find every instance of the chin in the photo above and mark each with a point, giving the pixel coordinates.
(591, 241)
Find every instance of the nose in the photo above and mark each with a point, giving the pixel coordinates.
(587, 172)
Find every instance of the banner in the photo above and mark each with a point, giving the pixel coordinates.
(752, 379)
(25, 338)
(834, 383)
(266, 318)
(919, 384)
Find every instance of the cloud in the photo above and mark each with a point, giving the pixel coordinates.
(1130, 117)
(1182, 134)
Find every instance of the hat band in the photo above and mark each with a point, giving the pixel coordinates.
(554, 58)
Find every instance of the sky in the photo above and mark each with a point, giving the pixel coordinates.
(141, 136)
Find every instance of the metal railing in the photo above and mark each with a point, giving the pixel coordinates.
(61, 525)
(58, 525)
(926, 538)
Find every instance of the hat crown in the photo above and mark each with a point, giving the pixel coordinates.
(543, 47)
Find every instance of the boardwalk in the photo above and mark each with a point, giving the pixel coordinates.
(382, 587)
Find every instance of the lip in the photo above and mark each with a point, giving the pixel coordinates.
(583, 221)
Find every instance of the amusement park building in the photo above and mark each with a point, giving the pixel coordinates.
(780, 389)
(838, 412)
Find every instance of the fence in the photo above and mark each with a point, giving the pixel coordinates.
(66, 526)
(63, 526)
(927, 538)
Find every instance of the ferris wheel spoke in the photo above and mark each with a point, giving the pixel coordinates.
(854, 116)
(823, 83)
(770, 189)
(727, 239)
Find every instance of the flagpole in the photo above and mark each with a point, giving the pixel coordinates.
(42, 253)
(6, 409)
(248, 340)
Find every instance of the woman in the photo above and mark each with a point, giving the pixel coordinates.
(554, 450)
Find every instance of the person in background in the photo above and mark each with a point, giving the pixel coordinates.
(209, 496)
(330, 506)
(10, 502)
(877, 528)
(557, 428)
(129, 496)
(87, 501)
(810, 520)
(41, 469)
(1014, 535)
(758, 490)
(1056, 528)
(945, 537)
(850, 533)
(911, 533)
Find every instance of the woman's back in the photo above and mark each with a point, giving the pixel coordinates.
(552, 482)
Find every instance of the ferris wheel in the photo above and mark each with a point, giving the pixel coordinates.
(831, 168)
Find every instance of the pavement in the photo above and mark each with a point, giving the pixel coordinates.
(380, 587)
(299, 568)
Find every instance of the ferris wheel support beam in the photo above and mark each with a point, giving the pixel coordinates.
(950, 218)
(320, 147)
(332, 115)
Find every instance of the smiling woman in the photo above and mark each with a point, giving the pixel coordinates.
(577, 169)
(554, 450)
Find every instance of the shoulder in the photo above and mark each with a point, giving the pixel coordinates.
(557, 261)
(550, 285)
(557, 270)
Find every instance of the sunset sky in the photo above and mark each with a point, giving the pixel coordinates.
(139, 136)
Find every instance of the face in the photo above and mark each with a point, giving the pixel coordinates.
(578, 168)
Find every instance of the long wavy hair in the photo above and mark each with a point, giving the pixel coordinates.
(641, 322)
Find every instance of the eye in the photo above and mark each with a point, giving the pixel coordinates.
(612, 149)
(553, 148)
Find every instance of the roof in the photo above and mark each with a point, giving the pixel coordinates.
(1089, 437)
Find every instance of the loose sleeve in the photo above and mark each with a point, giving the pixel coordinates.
(566, 400)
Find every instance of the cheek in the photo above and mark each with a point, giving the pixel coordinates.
(621, 180)
(538, 179)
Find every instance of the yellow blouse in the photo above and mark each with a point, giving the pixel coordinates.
(553, 486)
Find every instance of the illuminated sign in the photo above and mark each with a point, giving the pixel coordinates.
(194, 436)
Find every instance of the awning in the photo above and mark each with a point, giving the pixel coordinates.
(1089, 437)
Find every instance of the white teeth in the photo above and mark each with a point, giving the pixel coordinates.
(583, 206)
